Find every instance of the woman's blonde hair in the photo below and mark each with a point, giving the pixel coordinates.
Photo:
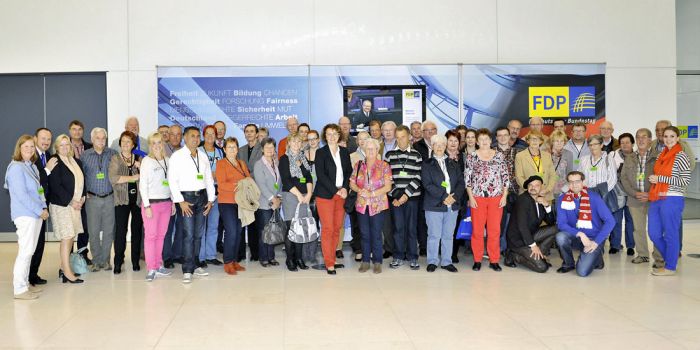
(152, 138)
(17, 154)
(534, 133)
(376, 144)
(58, 143)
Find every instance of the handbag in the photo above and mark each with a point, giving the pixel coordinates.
(303, 229)
(274, 230)
(77, 262)
(464, 231)
(351, 199)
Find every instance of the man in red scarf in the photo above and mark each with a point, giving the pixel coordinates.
(585, 222)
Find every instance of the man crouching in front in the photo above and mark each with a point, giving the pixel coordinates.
(585, 222)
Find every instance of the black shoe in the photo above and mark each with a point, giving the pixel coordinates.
(274, 262)
(450, 268)
(318, 267)
(339, 254)
(220, 247)
(37, 281)
(302, 265)
(117, 269)
(75, 281)
(495, 267)
(613, 251)
(264, 263)
(423, 252)
(338, 266)
(330, 272)
(214, 262)
(254, 258)
(455, 260)
(387, 255)
(136, 268)
(202, 264)
(431, 268)
(291, 266)
(601, 265)
(630, 251)
(87, 260)
(168, 264)
(60, 274)
(356, 257)
(564, 269)
(477, 266)
(509, 261)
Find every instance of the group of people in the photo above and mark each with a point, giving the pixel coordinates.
(190, 194)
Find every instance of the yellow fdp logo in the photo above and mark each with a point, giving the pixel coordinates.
(561, 101)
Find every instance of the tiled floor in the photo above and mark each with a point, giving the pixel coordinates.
(621, 307)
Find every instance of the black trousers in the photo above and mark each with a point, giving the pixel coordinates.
(38, 254)
(253, 239)
(293, 250)
(356, 242)
(121, 219)
(422, 228)
(544, 237)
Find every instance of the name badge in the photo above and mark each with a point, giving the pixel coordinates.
(594, 168)
(302, 180)
(166, 183)
(100, 176)
(403, 173)
(200, 177)
(277, 187)
(576, 161)
(444, 184)
(640, 177)
(41, 190)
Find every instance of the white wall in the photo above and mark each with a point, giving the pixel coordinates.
(636, 38)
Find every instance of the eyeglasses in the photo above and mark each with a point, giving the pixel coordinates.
(329, 134)
(594, 144)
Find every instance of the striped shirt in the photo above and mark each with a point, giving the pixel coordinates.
(680, 175)
(405, 172)
(602, 170)
(95, 164)
(641, 168)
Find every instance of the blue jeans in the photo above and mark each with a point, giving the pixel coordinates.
(406, 230)
(616, 235)
(371, 229)
(267, 252)
(441, 225)
(665, 217)
(208, 248)
(232, 231)
(193, 228)
(172, 246)
(586, 261)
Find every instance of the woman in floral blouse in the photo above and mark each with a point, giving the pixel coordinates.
(487, 181)
(371, 179)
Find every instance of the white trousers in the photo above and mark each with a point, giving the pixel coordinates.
(27, 235)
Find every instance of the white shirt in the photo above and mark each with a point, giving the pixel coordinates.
(443, 167)
(338, 167)
(153, 173)
(182, 174)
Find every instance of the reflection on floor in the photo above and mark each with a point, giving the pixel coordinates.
(271, 308)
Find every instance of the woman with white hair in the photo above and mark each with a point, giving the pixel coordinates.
(372, 180)
(444, 189)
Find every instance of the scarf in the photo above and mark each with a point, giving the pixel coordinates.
(663, 167)
(272, 168)
(294, 168)
(584, 213)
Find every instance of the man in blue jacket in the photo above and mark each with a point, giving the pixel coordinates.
(585, 222)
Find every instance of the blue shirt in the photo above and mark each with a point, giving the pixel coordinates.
(94, 164)
(22, 179)
(601, 218)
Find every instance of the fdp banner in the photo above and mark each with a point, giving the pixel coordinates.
(479, 96)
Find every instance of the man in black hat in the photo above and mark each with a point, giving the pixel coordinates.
(528, 241)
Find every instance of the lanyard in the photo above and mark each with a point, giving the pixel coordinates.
(34, 174)
(130, 163)
(641, 164)
(165, 169)
(537, 164)
(578, 156)
(598, 162)
(196, 163)
(212, 160)
(239, 170)
(99, 159)
(556, 168)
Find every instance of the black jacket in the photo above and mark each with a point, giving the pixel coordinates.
(422, 148)
(325, 172)
(62, 183)
(524, 221)
(43, 178)
(434, 194)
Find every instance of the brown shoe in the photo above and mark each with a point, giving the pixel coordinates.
(364, 267)
(238, 267)
(377, 268)
(230, 269)
(35, 289)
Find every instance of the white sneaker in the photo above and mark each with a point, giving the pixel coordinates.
(151, 275)
(162, 271)
(200, 272)
(187, 278)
